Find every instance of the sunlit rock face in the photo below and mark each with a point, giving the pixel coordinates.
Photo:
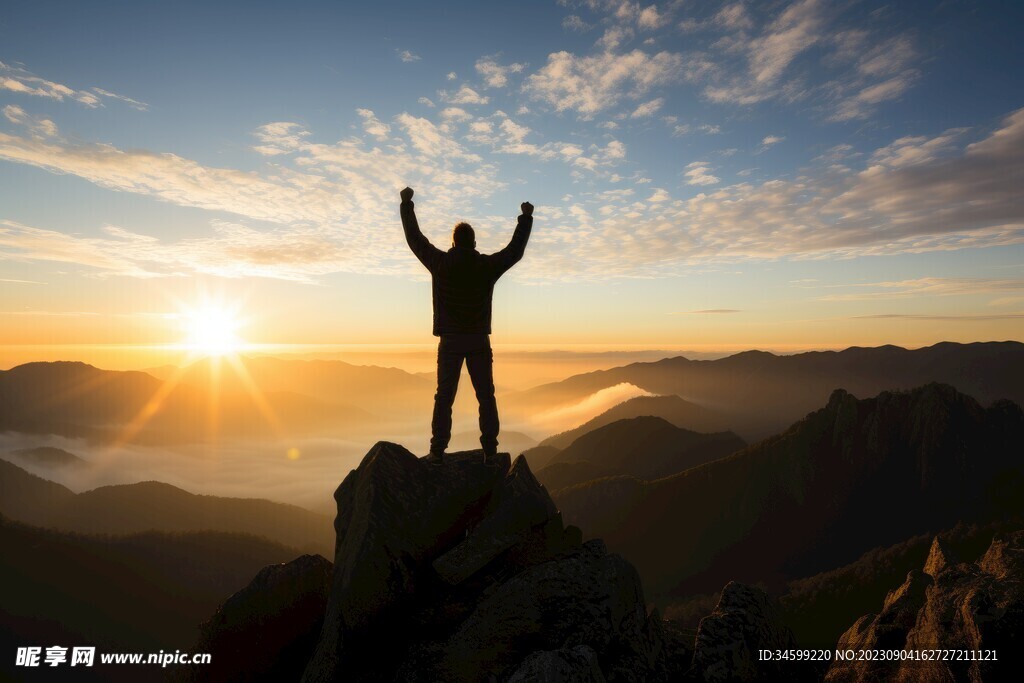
(973, 606)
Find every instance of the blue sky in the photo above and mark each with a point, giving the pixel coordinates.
(777, 174)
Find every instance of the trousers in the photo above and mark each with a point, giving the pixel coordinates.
(475, 349)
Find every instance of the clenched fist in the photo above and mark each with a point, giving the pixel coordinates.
(406, 194)
(526, 207)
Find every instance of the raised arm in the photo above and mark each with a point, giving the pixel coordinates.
(426, 252)
(510, 255)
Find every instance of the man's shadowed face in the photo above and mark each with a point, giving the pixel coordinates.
(463, 236)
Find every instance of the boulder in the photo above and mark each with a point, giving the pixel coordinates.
(591, 598)
(744, 621)
(567, 665)
(520, 505)
(267, 630)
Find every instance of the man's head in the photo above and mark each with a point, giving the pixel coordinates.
(463, 236)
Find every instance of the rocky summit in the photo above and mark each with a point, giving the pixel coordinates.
(465, 572)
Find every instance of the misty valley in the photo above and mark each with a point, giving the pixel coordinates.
(815, 500)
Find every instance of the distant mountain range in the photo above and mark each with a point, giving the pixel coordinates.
(376, 389)
(645, 447)
(755, 394)
(759, 394)
(47, 456)
(207, 400)
(851, 476)
(151, 505)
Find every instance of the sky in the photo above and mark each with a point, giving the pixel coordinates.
(716, 176)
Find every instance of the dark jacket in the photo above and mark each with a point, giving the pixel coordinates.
(463, 278)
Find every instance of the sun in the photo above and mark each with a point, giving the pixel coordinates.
(212, 330)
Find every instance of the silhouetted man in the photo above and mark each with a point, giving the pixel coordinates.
(463, 281)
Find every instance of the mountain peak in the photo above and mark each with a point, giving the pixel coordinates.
(54, 366)
(939, 558)
(838, 398)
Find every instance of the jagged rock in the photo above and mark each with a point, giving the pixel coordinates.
(465, 571)
(939, 558)
(967, 606)
(728, 640)
(677, 648)
(521, 505)
(889, 628)
(568, 665)
(900, 606)
(267, 630)
(591, 598)
(1005, 557)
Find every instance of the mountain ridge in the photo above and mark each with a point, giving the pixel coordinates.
(760, 393)
(76, 399)
(153, 505)
(781, 500)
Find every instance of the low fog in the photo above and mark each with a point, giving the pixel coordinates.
(289, 469)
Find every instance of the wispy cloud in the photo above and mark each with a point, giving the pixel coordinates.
(328, 200)
(574, 23)
(290, 196)
(880, 72)
(591, 84)
(496, 75)
(877, 210)
(929, 286)
(648, 108)
(19, 80)
(407, 56)
(464, 95)
(650, 18)
(504, 135)
(768, 53)
(39, 127)
(135, 104)
(754, 55)
(699, 173)
(680, 129)
(231, 251)
(373, 125)
(917, 149)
